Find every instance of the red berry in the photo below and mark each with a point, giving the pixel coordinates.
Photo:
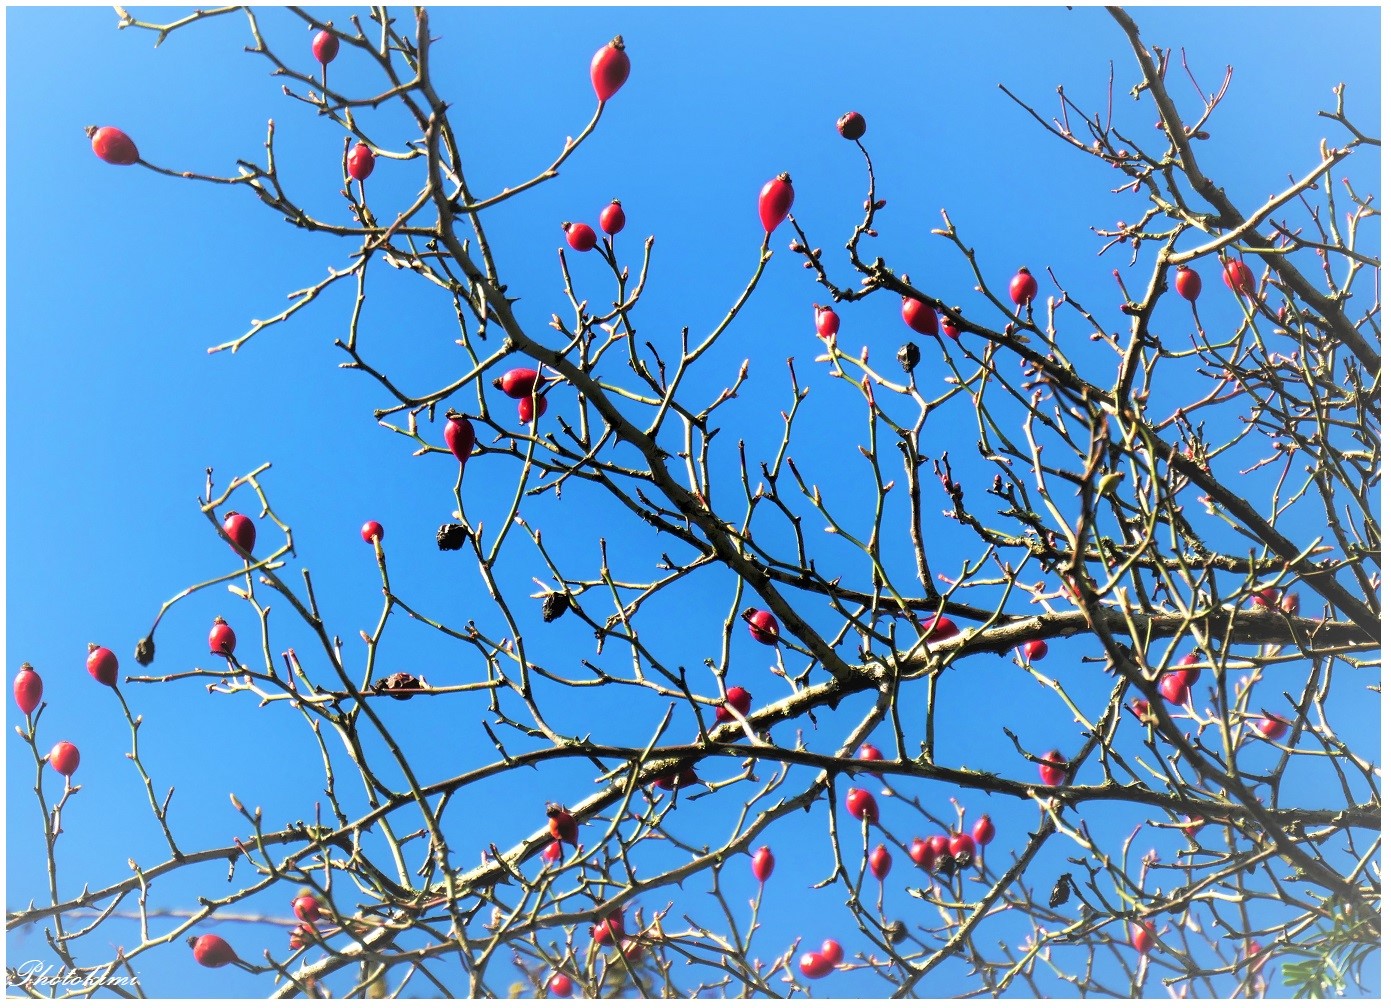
(861, 804)
(307, 908)
(1142, 937)
(1238, 277)
(1188, 666)
(519, 383)
(775, 202)
(1023, 287)
(814, 965)
(983, 831)
(1272, 727)
(827, 321)
(612, 218)
(1173, 687)
(962, 846)
(939, 628)
(832, 952)
(1290, 603)
(361, 161)
(560, 986)
(1190, 827)
(552, 852)
(1265, 598)
(870, 752)
(949, 327)
(609, 69)
(1140, 707)
(581, 237)
(241, 530)
(210, 950)
(64, 758)
(1052, 771)
(1035, 650)
(563, 826)
(763, 625)
(938, 845)
(325, 46)
(880, 861)
(302, 935)
(221, 639)
(372, 530)
(1188, 284)
(920, 852)
(28, 688)
(736, 698)
(102, 664)
(113, 146)
(920, 316)
(529, 410)
(685, 775)
(851, 125)
(607, 930)
(458, 435)
(763, 864)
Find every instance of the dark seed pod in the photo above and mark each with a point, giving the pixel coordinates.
(145, 651)
(946, 866)
(909, 356)
(554, 605)
(895, 931)
(398, 686)
(451, 536)
(1061, 890)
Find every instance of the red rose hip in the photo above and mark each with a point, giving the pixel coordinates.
(827, 321)
(832, 952)
(458, 435)
(1052, 770)
(325, 47)
(211, 951)
(763, 863)
(851, 125)
(612, 218)
(361, 161)
(518, 383)
(939, 628)
(28, 688)
(102, 664)
(920, 316)
(880, 861)
(607, 931)
(763, 625)
(1023, 287)
(372, 531)
(112, 145)
(1238, 277)
(775, 202)
(221, 638)
(562, 824)
(814, 965)
(560, 986)
(1142, 937)
(307, 908)
(1188, 284)
(1271, 727)
(64, 758)
(983, 831)
(609, 69)
(1173, 687)
(1035, 650)
(241, 530)
(737, 699)
(962, 846)
(580, 236)
(861, 804)
(529, 410)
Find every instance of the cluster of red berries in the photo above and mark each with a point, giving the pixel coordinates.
(581, 237)
(524, 385)
(815, 965)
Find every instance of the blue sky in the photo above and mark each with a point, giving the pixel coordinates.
(119, 280)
